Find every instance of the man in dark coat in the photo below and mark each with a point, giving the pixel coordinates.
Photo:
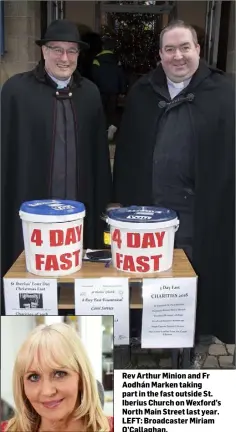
(108, 75)
(86, 57)
(175, 149)
(54, 140)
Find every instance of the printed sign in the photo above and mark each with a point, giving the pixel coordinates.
(105, 296)
(30, 296)
(169, 310)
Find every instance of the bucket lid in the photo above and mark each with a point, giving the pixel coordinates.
(52, 207)
(136, 214)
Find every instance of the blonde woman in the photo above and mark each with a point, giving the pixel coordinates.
(53, 385)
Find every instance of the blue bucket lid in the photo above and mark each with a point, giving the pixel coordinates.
(135, 214)
(52, 207)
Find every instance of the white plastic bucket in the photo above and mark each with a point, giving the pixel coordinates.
(53, 236)
(142, 238)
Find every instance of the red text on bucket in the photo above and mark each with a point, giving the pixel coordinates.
(138, 240)
(58, 237)
(146, 261)
(55, 263)
(139, 264)
(48, 259)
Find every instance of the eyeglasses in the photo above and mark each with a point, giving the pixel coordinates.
(58, 51)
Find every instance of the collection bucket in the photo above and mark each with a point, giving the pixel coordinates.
(142, 238)
(53, 236)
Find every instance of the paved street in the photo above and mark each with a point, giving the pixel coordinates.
(214, 356)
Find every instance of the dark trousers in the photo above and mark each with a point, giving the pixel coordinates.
(109, 102)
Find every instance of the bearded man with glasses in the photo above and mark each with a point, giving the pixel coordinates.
(54, 140)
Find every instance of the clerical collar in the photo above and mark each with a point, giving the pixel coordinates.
(60, 83)
(179, 85)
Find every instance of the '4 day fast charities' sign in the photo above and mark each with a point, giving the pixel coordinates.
(169, 310)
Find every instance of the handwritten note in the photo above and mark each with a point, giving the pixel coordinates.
(105, 296)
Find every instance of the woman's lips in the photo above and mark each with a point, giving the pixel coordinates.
(52, 404)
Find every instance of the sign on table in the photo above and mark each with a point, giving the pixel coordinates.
(30, 296)
(169, 311)
(105, 296)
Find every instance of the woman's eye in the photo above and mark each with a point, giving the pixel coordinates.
(60, 374)
(33, 377)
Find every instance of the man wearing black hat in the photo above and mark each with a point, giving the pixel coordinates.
(54, 142)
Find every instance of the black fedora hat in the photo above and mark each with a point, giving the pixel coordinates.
(62, 31)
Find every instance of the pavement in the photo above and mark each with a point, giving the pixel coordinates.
(216, 355)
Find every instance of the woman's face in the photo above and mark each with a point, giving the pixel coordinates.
(53, 393)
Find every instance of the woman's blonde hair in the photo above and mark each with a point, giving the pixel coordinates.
(60, 346)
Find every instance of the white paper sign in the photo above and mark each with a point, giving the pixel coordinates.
(30, 296)
(169, 310)
(105, 296)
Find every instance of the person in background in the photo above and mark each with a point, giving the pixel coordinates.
(86, 57)
(108, 75)
(175, 149)
(53, 385)
(54, 140)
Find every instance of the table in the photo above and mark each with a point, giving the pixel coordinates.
(66, 302)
